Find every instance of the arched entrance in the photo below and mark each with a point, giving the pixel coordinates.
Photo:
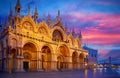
(27, 57)
(12, 65)
(64, 54)
(81, 60)
(74, 60)
(30, 57)
(46, 58)
(60, 62)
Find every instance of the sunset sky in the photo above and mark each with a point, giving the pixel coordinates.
(99, 20)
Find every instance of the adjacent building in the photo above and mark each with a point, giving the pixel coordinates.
(92, 58)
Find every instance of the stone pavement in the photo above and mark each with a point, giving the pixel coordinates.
(65, 74)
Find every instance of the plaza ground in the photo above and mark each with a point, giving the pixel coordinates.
(91, 73)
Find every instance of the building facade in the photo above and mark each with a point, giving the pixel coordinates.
(92, 58)
(29, 45)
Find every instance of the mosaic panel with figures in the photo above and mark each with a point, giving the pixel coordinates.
(28, 26)
(57, 36)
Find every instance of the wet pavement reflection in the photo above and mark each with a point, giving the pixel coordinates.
(87, 73)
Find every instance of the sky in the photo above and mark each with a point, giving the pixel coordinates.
(98, 20)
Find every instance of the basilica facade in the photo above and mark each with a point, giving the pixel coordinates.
(29, 45)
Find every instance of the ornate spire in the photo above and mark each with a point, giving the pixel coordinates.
(18, 8)
(10, 17)
(36, 14)
(5, 24)
(28, 10)
(73, 32)
(49, 19)
(58, 17)
(59, 22)
(58, 13)
(11, 13)
(80, 35)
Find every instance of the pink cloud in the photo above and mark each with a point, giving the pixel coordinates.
(101, 38)
(95, 17)
(102, 41)
(106, 31)
(77, 30)
(111, 21)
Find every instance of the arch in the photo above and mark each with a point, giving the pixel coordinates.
(14, 42)
(13, 54)
(28, 20)
(30, 46)
(46, 58)
(60, 60)
(74, 60)
(65, 53)
(81, 56)
(29, 57)
(57, 35)
(61, 33)
(64, 50)
(81, 60)
(44, 29)
(48, 45)
(32, 42)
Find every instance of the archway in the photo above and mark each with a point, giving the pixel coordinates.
(12, 65)
(64, 51)
(81, 60)
(46, 58)
(60, 62)
(74, 60)
(30, 57)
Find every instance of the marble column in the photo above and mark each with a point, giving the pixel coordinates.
(54, 62)
(19, 60)
(78, 67)
(9, 64)
(70, 67)
(40, 61)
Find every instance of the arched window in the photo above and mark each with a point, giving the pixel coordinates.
(57, 36)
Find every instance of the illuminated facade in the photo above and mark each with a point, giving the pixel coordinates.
(29, 45)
